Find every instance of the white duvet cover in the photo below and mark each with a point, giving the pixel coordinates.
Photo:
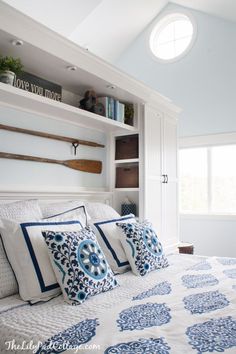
(189, 307)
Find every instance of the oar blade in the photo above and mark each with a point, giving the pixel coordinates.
(91, 166)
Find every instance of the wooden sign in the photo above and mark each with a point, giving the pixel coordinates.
(35, 84)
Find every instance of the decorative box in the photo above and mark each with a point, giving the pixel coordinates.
(127, 147)
(127, 177)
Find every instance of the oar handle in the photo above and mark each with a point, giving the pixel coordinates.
(6, 155)
(50, 136)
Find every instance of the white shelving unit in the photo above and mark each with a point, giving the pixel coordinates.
(127, 189)
(46, 54)
(126, 161)
(133, 194)
(30, 102)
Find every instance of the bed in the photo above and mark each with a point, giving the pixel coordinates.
(188, 307)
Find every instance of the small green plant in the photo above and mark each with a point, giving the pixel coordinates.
(11, 64)
(129, 113)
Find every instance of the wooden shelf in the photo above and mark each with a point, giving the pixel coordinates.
(29, 102)
(126, 161)
(126, 189)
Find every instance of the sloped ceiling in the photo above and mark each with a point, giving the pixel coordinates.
(114, 24)
(225, 9)
(108, 27)
(62, 16)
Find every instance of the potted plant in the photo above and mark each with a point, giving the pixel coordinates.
(129, 113)
(9, 67)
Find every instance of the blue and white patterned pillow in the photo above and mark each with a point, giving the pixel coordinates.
(142, 247)
(80, 266)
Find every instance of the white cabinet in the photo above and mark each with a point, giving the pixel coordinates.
(152, 136)
(160, 174)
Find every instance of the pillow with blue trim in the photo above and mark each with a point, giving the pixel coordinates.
(27, 252)
(28, 256)
(79, 264)
(108, 235)
(51, 210)
(142, 247)
(21, 211)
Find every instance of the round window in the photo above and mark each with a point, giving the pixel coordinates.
(172, 37)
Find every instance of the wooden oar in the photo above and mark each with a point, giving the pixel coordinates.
(91, 166)
(50, 136)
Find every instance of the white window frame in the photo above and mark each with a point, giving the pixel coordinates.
(162, 21)
(208, 141)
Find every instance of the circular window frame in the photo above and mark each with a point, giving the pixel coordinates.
(160, 23)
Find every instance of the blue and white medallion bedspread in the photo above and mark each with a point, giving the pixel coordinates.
(189, 307)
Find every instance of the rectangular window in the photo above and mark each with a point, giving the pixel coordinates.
(208, 180)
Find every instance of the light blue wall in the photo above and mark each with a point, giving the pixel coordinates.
(203, 83)
(24, 174)
(210, 236)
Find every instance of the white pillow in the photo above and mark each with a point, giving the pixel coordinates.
(108, 235)
(76, 213)
(101, 211)
(20, 211)
(51, 209)
(28, 255)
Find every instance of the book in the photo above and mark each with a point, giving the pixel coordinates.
(104, 100)
(121, 113)
(116, 110)
(111, 111)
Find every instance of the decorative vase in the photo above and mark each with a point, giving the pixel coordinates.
(7, 77)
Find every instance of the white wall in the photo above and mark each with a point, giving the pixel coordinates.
(25, 174)
(203, 83)
(210, 236)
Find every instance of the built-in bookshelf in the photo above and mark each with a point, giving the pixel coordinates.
(126, 167)
(152, 123)
(30, 102)
(89, 73)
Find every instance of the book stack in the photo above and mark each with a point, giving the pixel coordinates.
(113, 108)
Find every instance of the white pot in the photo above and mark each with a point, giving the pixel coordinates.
(7, 77)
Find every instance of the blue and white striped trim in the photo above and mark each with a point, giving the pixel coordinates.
(44, 288)
(106, 240)
(70, 210)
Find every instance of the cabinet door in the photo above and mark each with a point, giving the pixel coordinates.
(170, 214)
(170, 148)
(170, 189)
(153, 168)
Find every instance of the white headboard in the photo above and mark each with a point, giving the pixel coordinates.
(49, 196)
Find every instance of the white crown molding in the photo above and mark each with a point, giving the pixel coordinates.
(208, 140)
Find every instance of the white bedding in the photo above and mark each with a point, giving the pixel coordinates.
(160, 313)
